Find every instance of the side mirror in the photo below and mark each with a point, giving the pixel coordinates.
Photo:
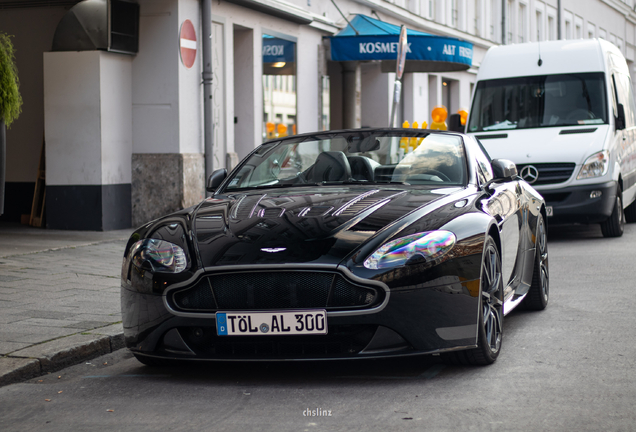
(215, 179)
(620, 119)
(503, 169)
(455, 123)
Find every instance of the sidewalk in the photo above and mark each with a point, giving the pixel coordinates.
(59, 298)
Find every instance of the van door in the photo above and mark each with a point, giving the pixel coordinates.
(625, 140)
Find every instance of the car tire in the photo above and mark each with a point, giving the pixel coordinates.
(614, 225)
(630, 213)
(490, 322)
(539, 293)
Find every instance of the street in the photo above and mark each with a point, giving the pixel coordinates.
(570, 367)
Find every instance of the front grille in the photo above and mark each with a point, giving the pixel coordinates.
(274, 290)
(550, 173)
(342, 340)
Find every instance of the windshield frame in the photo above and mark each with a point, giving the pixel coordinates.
(269, 148)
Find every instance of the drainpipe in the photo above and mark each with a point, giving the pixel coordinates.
(559, 20)
(206, 48)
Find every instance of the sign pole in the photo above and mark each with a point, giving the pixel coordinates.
(401, 61)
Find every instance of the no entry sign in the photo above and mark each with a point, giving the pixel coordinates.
(187, 44)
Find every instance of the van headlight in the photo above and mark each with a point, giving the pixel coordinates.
(595, 166)
(425, 246)
(158, 256)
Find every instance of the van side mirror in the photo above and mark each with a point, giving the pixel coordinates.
(215, 179)
(503, 169)
(455, 123)
(620, 118)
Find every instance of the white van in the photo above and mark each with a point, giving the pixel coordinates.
(564, 112)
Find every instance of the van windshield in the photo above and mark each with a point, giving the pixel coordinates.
(539, 101)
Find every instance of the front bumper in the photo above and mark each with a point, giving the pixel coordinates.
(434, 318)
(574, 205)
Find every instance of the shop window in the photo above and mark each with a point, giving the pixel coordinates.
(279, 87)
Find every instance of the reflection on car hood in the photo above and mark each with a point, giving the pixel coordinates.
(308, 225)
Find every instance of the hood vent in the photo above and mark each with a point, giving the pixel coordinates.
(315, 211)
(352, 204)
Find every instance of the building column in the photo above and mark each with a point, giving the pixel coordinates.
(168, 163)
(88, 135)
(352, 89)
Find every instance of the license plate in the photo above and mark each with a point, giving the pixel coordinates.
(549, 211)
(271, 323)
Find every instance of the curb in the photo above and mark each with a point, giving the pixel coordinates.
(58, 248)
(59, 353)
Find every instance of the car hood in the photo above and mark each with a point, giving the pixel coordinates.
(318, 225)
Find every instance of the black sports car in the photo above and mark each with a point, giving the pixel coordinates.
(341, 244)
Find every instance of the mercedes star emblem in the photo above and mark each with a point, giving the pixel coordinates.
(530, 174)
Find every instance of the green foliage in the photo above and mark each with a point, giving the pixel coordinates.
(10, 99)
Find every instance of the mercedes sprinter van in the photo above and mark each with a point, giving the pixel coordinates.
(564, 112)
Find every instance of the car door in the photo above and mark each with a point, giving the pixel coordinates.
(504, 203)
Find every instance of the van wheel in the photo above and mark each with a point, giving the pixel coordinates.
(630, 213)
(613, 226)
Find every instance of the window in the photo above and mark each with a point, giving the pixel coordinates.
(493, 20)
(625, 97)
(279, 87)
(578, 27)
(612, 39)
(414, 6)
(509, 21)
(591, 30)
(568, 18)
(477, 17)
(325, 103)
(539, 101)
(540, 26)
(454, 14)
(521, 24)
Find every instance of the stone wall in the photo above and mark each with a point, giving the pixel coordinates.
(164, 183)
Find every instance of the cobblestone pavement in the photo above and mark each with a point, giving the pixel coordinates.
(58, 307)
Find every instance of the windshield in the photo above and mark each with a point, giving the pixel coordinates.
(539, 101)
(414, 158)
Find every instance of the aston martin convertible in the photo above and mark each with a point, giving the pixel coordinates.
(338, 245)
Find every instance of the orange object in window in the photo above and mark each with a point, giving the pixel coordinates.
(282, 130)
(439, 115)
(463, 115)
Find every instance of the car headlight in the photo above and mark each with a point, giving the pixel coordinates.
(595, 166)
(427, 246)
(158, 256)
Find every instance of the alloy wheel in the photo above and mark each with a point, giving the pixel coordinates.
(491, 298)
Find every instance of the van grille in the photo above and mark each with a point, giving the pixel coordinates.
(550, 173)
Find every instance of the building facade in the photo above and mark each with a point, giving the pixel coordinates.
(125, 134)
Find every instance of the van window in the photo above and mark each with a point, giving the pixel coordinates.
(539, 101)
(626, 97)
